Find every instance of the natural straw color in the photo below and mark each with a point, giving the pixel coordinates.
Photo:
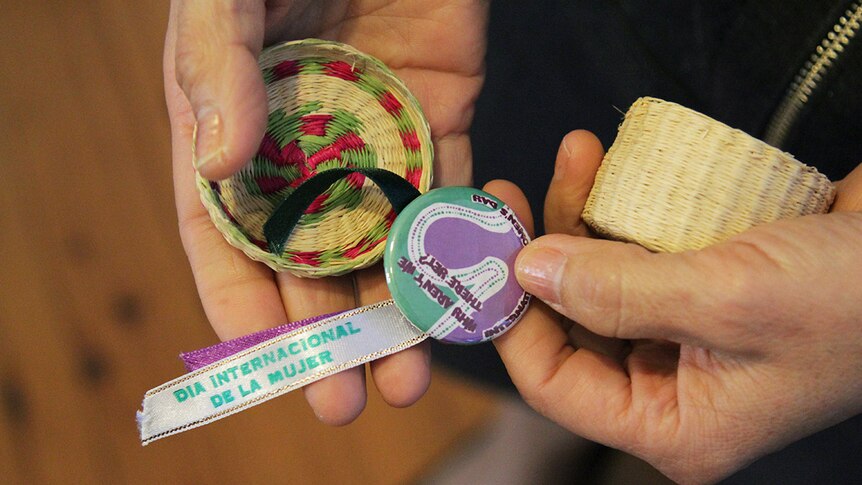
(329, 106)
(675, 180)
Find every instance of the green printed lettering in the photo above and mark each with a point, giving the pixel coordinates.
(314, 341)
(221, 399)
(181, 395)
(312, 362)
(281, 353)
(291, 348)
(189, 391)
(328, 336)
(325, 357)
(253, 386)
(269, 358)
(352, 330)
(223, 378)
(256, 363)
(339, 330)
(245, 368)
(275, 377)
(232, 371)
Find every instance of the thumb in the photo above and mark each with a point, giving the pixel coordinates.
(217, 45)
(849, 192)
(622, 290)
(578, 160)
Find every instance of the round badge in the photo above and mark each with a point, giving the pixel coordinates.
(450, 265)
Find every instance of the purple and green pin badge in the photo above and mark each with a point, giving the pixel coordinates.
(449, 264)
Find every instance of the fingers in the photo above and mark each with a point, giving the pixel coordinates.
(582, 390)
(581, 338)
(615, 290)
(217, 45)
(597, 283)
(310, 297)
(453, 163)
(578, 159)
(623, 291)
(849, 192)
(239, 296)
(340, 398)
(404, 377)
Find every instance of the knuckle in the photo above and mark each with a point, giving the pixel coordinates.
(199, 34)
(189, 59)
(199, 236)
(240, 8)
(536, 388)
(596, 297)
(206, 31)
(536, 396)
(739, 295)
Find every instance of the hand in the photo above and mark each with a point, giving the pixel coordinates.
(697, 362)
(212, 79)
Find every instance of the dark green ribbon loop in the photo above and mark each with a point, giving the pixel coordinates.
(280, 224)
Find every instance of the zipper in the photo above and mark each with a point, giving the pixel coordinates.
(812, 73)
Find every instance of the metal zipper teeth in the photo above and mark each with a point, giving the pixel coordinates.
(809, 77)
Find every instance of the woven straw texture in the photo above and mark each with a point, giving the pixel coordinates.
(675, 180)
(329, 106)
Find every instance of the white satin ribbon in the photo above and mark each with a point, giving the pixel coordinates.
(275, 367)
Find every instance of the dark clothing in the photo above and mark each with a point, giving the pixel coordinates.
(554, 66)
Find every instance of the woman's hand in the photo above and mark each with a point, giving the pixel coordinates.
(212, 79)
(698, 362)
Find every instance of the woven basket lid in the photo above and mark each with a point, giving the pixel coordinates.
(676, 179)
(330, 106)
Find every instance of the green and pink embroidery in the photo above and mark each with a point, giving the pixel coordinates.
(298, 145)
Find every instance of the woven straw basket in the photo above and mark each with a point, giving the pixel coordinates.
(329, 106)
(675, 180)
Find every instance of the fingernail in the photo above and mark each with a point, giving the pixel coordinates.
(208, 137)
(540, 272)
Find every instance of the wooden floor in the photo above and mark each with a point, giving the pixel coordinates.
(96, 298)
